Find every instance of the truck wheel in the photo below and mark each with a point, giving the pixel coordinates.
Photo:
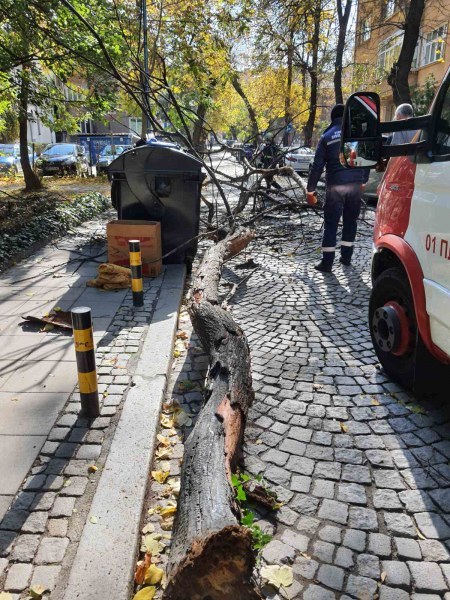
(393, 326)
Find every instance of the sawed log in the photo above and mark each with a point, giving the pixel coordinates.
(211, 556)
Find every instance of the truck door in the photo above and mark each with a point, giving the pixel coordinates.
(429, 225)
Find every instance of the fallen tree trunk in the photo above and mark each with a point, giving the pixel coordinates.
(211, 556)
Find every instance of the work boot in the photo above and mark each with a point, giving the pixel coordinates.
(322, 267)
(344, 262)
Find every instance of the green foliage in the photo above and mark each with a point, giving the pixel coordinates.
(422, 96)
(40, 217)
(260, 539)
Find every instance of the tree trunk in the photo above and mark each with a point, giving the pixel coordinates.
(287, 99)
(398, 77)
(309, 126)
(211, 556)
(199, 134)
(343, 17)
(251, 111)
(32, 181)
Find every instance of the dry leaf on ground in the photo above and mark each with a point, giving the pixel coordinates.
(151, 544)
(147, 593)
(160, 476)
(37, 591)
(153, 575)
(278, 576)
(141, 569)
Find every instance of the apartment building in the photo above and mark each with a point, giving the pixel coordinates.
(379, 37)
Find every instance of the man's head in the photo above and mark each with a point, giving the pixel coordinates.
(337, 112)
(403, 111)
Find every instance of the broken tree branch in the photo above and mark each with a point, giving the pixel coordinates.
(211, 556)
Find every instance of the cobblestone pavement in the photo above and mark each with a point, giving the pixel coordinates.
(362, 468)
(40, 533)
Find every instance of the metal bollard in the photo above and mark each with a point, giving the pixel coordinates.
(137, 285)
(85, 353)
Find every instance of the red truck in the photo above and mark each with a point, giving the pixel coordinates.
(409, 308)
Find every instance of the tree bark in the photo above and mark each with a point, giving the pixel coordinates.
(251, 111)
(32, 181)
(398, 77)
(199, 134)
(343, 17)
(309, 126)
(287, 99)
(211, 556)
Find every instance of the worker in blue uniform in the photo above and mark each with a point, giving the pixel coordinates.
(344, 189)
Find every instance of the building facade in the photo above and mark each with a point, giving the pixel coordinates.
(379, 37)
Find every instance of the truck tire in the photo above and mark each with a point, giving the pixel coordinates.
(393, 326)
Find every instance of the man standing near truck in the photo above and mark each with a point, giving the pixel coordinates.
(343, 193)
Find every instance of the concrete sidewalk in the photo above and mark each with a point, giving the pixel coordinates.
(38, 370)
(47, 451)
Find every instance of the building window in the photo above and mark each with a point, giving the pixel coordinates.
(135, 125)
(388, 52)
(390, 8)
(434, 45)
(365, 32)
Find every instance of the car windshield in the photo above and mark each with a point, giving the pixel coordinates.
(109, 150)
(59, 150)
(6, 150)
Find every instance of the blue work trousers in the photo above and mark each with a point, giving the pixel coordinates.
(340, 201)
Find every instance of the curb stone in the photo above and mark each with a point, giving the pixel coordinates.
(105, 560)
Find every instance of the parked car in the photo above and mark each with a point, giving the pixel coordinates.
(246, 150)
(229, 142)
(300, 158)
(409, 308)
(10, 159)
(108, 154)
(63, 159)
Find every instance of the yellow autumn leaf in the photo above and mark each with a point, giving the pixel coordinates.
(167, 524)
(57, 309)
(92, 468)
(163, 440)
(375, 402)
(176, 354)
(166, 422)
(168, 511)
(344, 428)
(151, 544)
(153, 575)
(147, 593)
(419, 535)
(5, 596)
(149, 528)
(163, 453)
(93, 520)
(36, 591)
(278, 576)
(175, 486)
(160, 476)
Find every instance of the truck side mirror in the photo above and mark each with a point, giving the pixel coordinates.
(361, 137)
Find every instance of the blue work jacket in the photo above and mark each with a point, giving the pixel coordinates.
(327, 153)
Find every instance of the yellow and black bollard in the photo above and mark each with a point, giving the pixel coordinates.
(137, 285)
(84, 349)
